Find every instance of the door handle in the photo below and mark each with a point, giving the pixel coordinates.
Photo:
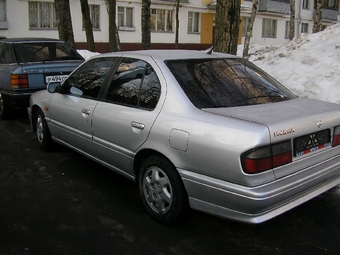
(86, 111)
(138, 125)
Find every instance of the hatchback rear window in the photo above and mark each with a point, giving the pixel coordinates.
(44, 51)
(213, 83)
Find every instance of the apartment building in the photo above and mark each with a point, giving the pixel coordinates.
(36, 18)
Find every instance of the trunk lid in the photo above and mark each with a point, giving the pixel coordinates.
(302, 121)
(39, 75)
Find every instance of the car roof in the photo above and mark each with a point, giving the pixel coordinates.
(163, 55)
(29, 39)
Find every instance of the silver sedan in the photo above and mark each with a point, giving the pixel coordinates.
(196, 130)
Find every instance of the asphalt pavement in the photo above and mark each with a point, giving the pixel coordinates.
(62, 203)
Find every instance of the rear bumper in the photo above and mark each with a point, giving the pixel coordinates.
(259, 204)
(18, 97)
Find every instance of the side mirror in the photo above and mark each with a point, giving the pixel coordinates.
(54, 87)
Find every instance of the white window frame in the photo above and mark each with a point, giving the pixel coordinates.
(161, 20)
(287, 29)
(95, 16)
(305, 4)
(304, 27)
(36, 19)
(194, 22)
(125, 18)
(245, 22)
(3, 16)
(269, 28)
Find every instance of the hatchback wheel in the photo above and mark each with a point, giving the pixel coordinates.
(42, 132)
(162, 190)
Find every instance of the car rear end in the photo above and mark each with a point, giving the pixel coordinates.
(33, 63)
(269, 151)
(302, 155)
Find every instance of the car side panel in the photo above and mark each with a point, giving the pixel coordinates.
(70, 121)
(118, 131)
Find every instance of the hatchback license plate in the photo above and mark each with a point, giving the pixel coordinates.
(312, 142)
(55, 78)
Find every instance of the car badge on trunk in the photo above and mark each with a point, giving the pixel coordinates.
(319, 123)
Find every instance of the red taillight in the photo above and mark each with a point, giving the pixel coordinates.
(19, 81)
(336, 136)
(264, 158)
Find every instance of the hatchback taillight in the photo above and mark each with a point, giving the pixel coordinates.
(336, 136)
(261, 159)
(19, 81)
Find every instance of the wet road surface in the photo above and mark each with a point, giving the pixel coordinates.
(62, 203)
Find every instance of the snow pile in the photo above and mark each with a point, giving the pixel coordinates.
(309, 65)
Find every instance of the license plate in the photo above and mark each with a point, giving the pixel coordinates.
(312, 142)
(55, 78)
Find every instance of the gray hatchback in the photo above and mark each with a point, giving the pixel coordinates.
(28, 65)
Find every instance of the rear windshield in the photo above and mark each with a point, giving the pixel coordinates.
(213, 83)
(44, 51)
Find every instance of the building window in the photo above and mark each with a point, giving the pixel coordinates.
(245, 22)
(304, 27)
(193, 22)
(3, 10)
(269, 28)
(161, 20)
(305, 4)
(331, 3)
(287, 30)
(94, 16)
(125, 17)
(42, 15)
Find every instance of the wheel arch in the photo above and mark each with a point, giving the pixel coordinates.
(34, 115)
(142, 155)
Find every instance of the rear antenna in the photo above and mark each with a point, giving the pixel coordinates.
(210, 50)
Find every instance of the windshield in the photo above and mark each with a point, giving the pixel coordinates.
(212, 83)
(44, 51)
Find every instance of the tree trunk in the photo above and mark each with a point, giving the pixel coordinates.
(292, 20)
(227, 25)
(64, 21)
(114, 44)
(85, 10)
(177, 24)
(318, 17)
(250, 28)
(146, 32)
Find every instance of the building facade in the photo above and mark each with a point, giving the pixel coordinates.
(36, 18)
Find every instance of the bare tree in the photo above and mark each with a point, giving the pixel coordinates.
(318, 17)
(292, 20)
(64, 21)
(250, 28)
(85, 10)
(177, 24)
(227, 25)
(146, 30)
(114, 43)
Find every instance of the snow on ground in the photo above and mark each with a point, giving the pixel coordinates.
(309, 65)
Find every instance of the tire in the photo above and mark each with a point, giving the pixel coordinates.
(162, 190)
(42, 131)
(4, 109)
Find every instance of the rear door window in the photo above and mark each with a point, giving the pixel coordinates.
(134, 84)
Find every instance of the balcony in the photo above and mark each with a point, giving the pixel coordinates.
(274, 6)
(328, 14)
